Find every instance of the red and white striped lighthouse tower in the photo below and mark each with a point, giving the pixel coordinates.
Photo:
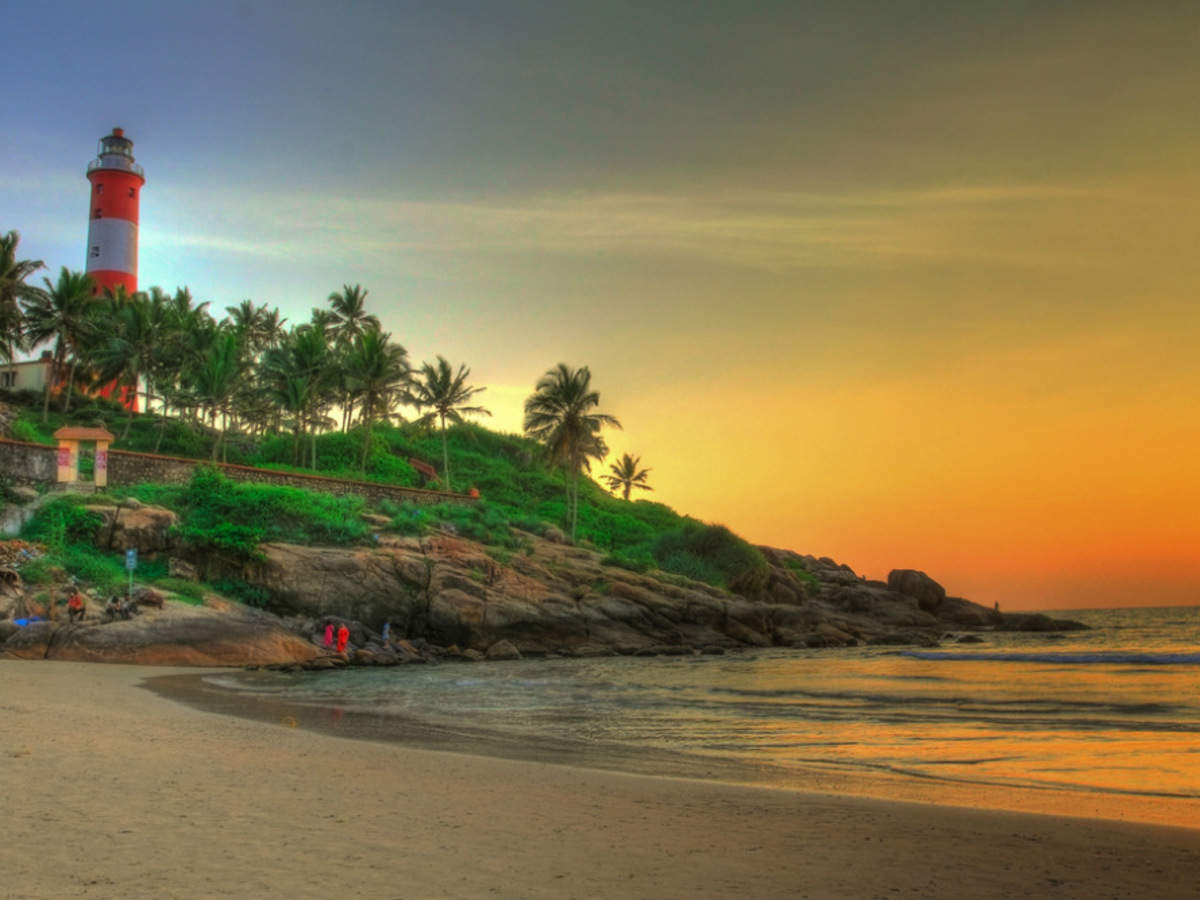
(113, 227)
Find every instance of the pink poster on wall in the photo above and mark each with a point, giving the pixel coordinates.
(64, 457)
(101, 460)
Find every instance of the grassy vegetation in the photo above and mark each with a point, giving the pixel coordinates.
(520, 493)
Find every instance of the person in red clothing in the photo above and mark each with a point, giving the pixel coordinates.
(329, 636)
(76, 608)
(343, 636)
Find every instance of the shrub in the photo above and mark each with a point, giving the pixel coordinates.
(188, 591)
(61, 522)
(714, 554)
(224, 515)
(243, 592)
(28, 432)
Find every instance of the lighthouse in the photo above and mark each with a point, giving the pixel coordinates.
(113, 214)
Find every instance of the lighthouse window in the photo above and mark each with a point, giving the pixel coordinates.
(131, 192)
(97, 216)
(95, 251)
(99, 189)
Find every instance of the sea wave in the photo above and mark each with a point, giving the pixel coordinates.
(1112, 658)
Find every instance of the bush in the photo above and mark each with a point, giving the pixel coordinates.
(714, 554)
(28, 432)
(61, 522)
(188, 591)
(243, 592)
(221, 514)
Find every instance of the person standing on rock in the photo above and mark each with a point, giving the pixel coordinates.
(387, 633)
(343, 637)
(329, 636)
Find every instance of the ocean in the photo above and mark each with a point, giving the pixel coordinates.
(1105, 721)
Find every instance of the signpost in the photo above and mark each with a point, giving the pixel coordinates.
(130, 565)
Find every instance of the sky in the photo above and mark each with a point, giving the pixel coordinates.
(909, 285)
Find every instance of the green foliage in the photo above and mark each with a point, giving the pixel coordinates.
(643, 562)
(222, 514)
(188, 591)
(713, 554)
(61, 522)
(806, 578)
(23, 430)
(243, 592)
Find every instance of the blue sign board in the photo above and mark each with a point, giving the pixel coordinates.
(131, 559)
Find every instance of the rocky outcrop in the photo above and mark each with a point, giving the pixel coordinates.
(132, 526)
(928, 593)
(561, 599)
(442, 591)
(176, 635)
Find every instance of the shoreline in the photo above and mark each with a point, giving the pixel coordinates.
(115, 791)
(196, 690)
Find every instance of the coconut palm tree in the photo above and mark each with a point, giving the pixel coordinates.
(446, 393)
(61, 313)
(215, 379)
(13, 293)
(297, 375)
(560, 413)
(350, 316)
(625, 474)
(378, 373)
(130, 346)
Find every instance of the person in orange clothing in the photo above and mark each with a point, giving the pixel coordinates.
(76, 607)
(343, 637)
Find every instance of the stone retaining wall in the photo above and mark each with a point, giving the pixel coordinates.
(24, 463)
(30, 464)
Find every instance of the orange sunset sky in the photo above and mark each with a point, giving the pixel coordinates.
(904, 284)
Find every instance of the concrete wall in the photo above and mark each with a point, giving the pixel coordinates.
(25, 463)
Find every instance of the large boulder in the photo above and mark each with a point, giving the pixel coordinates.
(147, 529)
(177, 635)
(927, 592)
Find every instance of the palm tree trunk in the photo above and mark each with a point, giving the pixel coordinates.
(70, 384)
(445, 454)
(366, 448)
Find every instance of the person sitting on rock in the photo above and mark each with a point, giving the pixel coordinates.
(76, 607)
(112, 608)
(343, 635)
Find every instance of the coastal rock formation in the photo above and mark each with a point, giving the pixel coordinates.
(443, 591)
(561, 599)
(927, 592)
(176, 635)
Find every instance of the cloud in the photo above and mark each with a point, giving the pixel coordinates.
(773, 231)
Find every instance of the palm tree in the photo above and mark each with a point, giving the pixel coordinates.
(297, 375)
(14, 292)
(626, 474)
(350, 316)
(62, 314)
(129, 350)
(377, 372)
(215, 379)
(559, 413)
(447, 393)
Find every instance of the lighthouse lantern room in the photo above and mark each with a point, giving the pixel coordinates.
(113, 214)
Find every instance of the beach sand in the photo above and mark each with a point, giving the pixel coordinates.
(113, 791)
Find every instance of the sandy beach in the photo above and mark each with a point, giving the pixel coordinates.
(113, 791)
